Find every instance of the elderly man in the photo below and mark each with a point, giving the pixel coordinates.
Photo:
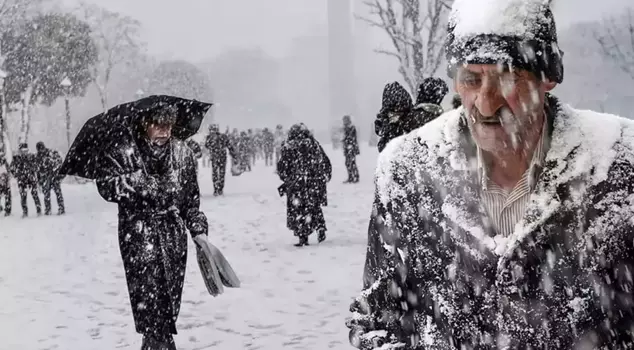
(506, 223)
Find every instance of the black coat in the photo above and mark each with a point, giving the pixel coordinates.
(350, 142)
(561, 281)
(407, 122)
(158, 199)
(305, 171)
(48, 163)
(24, 168)
(218, 144)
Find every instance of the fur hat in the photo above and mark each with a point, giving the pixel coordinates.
(515, 33)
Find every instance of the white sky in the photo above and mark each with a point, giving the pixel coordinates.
(199, 29)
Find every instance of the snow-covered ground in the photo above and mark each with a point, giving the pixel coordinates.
(62, 284)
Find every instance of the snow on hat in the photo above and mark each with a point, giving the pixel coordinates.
(518, 33)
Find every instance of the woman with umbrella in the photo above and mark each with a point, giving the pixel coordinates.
(137, 155)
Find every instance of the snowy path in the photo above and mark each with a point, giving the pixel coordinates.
(62, 284)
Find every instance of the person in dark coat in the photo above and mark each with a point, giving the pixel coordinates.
(48, 163)
(245, 148)
(5, 185)
(548, 269)
(158, 204)
(268, 145)
(350, 149)
(430, 95)
(24, 170)
(392, 120)
(218, 145)
(305, 170)
(252, 146)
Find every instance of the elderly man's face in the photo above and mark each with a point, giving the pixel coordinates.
(505, 109)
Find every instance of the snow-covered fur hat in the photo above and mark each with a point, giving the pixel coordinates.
(517, 33)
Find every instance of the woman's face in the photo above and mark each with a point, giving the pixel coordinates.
(159, 133)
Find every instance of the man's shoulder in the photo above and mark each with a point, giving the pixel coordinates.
(610, 135)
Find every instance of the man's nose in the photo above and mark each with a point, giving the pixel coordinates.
(489, 99)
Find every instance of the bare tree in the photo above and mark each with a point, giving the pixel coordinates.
(12, 12)
(118, 41)
(417, 29)
(617, 40)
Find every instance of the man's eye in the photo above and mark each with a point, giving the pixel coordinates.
(471, 80)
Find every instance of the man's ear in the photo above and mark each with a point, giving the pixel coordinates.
(549, 85)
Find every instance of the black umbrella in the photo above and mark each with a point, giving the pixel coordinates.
(118, 122)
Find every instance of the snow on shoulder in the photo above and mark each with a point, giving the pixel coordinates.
(515, 18)
(410, 152)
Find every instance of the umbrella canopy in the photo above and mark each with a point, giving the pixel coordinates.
(108, 128)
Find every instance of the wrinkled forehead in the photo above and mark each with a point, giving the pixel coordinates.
(485, 68)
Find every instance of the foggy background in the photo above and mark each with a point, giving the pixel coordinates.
(267, 62)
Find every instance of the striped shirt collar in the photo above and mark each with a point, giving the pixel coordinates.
(534, 169)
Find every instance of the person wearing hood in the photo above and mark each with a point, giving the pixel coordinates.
(48, 163)
(268, 146)
(158, 205)
(507, 222)
(430, 95)
(305, 170)
(24, 170)
(393, 118)
(5, 185)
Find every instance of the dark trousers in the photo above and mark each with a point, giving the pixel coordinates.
(268, 158)
(5, 191)
(54, 185)
(23, 188)
(351, 166)
(218, 171)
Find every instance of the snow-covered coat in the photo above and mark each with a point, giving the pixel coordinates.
(563, 280)
(159, 203)
(305, 171)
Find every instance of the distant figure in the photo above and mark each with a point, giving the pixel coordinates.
(245, 147)
(251, 147)
(305, 170)
(268, 146)
(48, 163)
(280, 136)
(218, 144)
(350, 149)
(24, 169)
(5, 186)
